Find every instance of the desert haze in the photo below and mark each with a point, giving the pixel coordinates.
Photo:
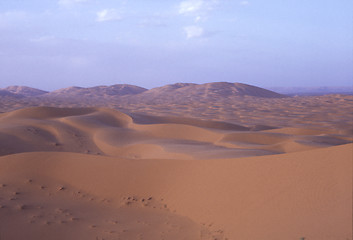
(215, 161)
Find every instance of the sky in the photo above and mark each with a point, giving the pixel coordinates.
(60, 43)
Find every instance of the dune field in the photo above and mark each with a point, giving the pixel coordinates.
(245, 167)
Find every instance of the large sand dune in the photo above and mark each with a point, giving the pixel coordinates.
(184, 161)
(97, 173)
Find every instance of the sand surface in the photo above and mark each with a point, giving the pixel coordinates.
(178, 173)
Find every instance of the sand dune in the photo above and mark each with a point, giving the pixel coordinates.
(71, 196)
(330, 112)
(110, 132)
(213, 168)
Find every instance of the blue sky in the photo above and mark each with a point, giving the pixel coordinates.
(60, 43)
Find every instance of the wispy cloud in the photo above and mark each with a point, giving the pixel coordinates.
(108, 15)
(190, 6)
(193, 32)
(197, 9)
(244, 3)
(69, 3)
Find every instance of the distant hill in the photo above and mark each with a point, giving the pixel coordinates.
(99, 91)
(181, 92)
(313, 91)
(5, 93)
(25, 91)
(125, 93)
(169, 88)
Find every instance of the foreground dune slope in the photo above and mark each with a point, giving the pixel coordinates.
(305, 194)
(97, 173)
